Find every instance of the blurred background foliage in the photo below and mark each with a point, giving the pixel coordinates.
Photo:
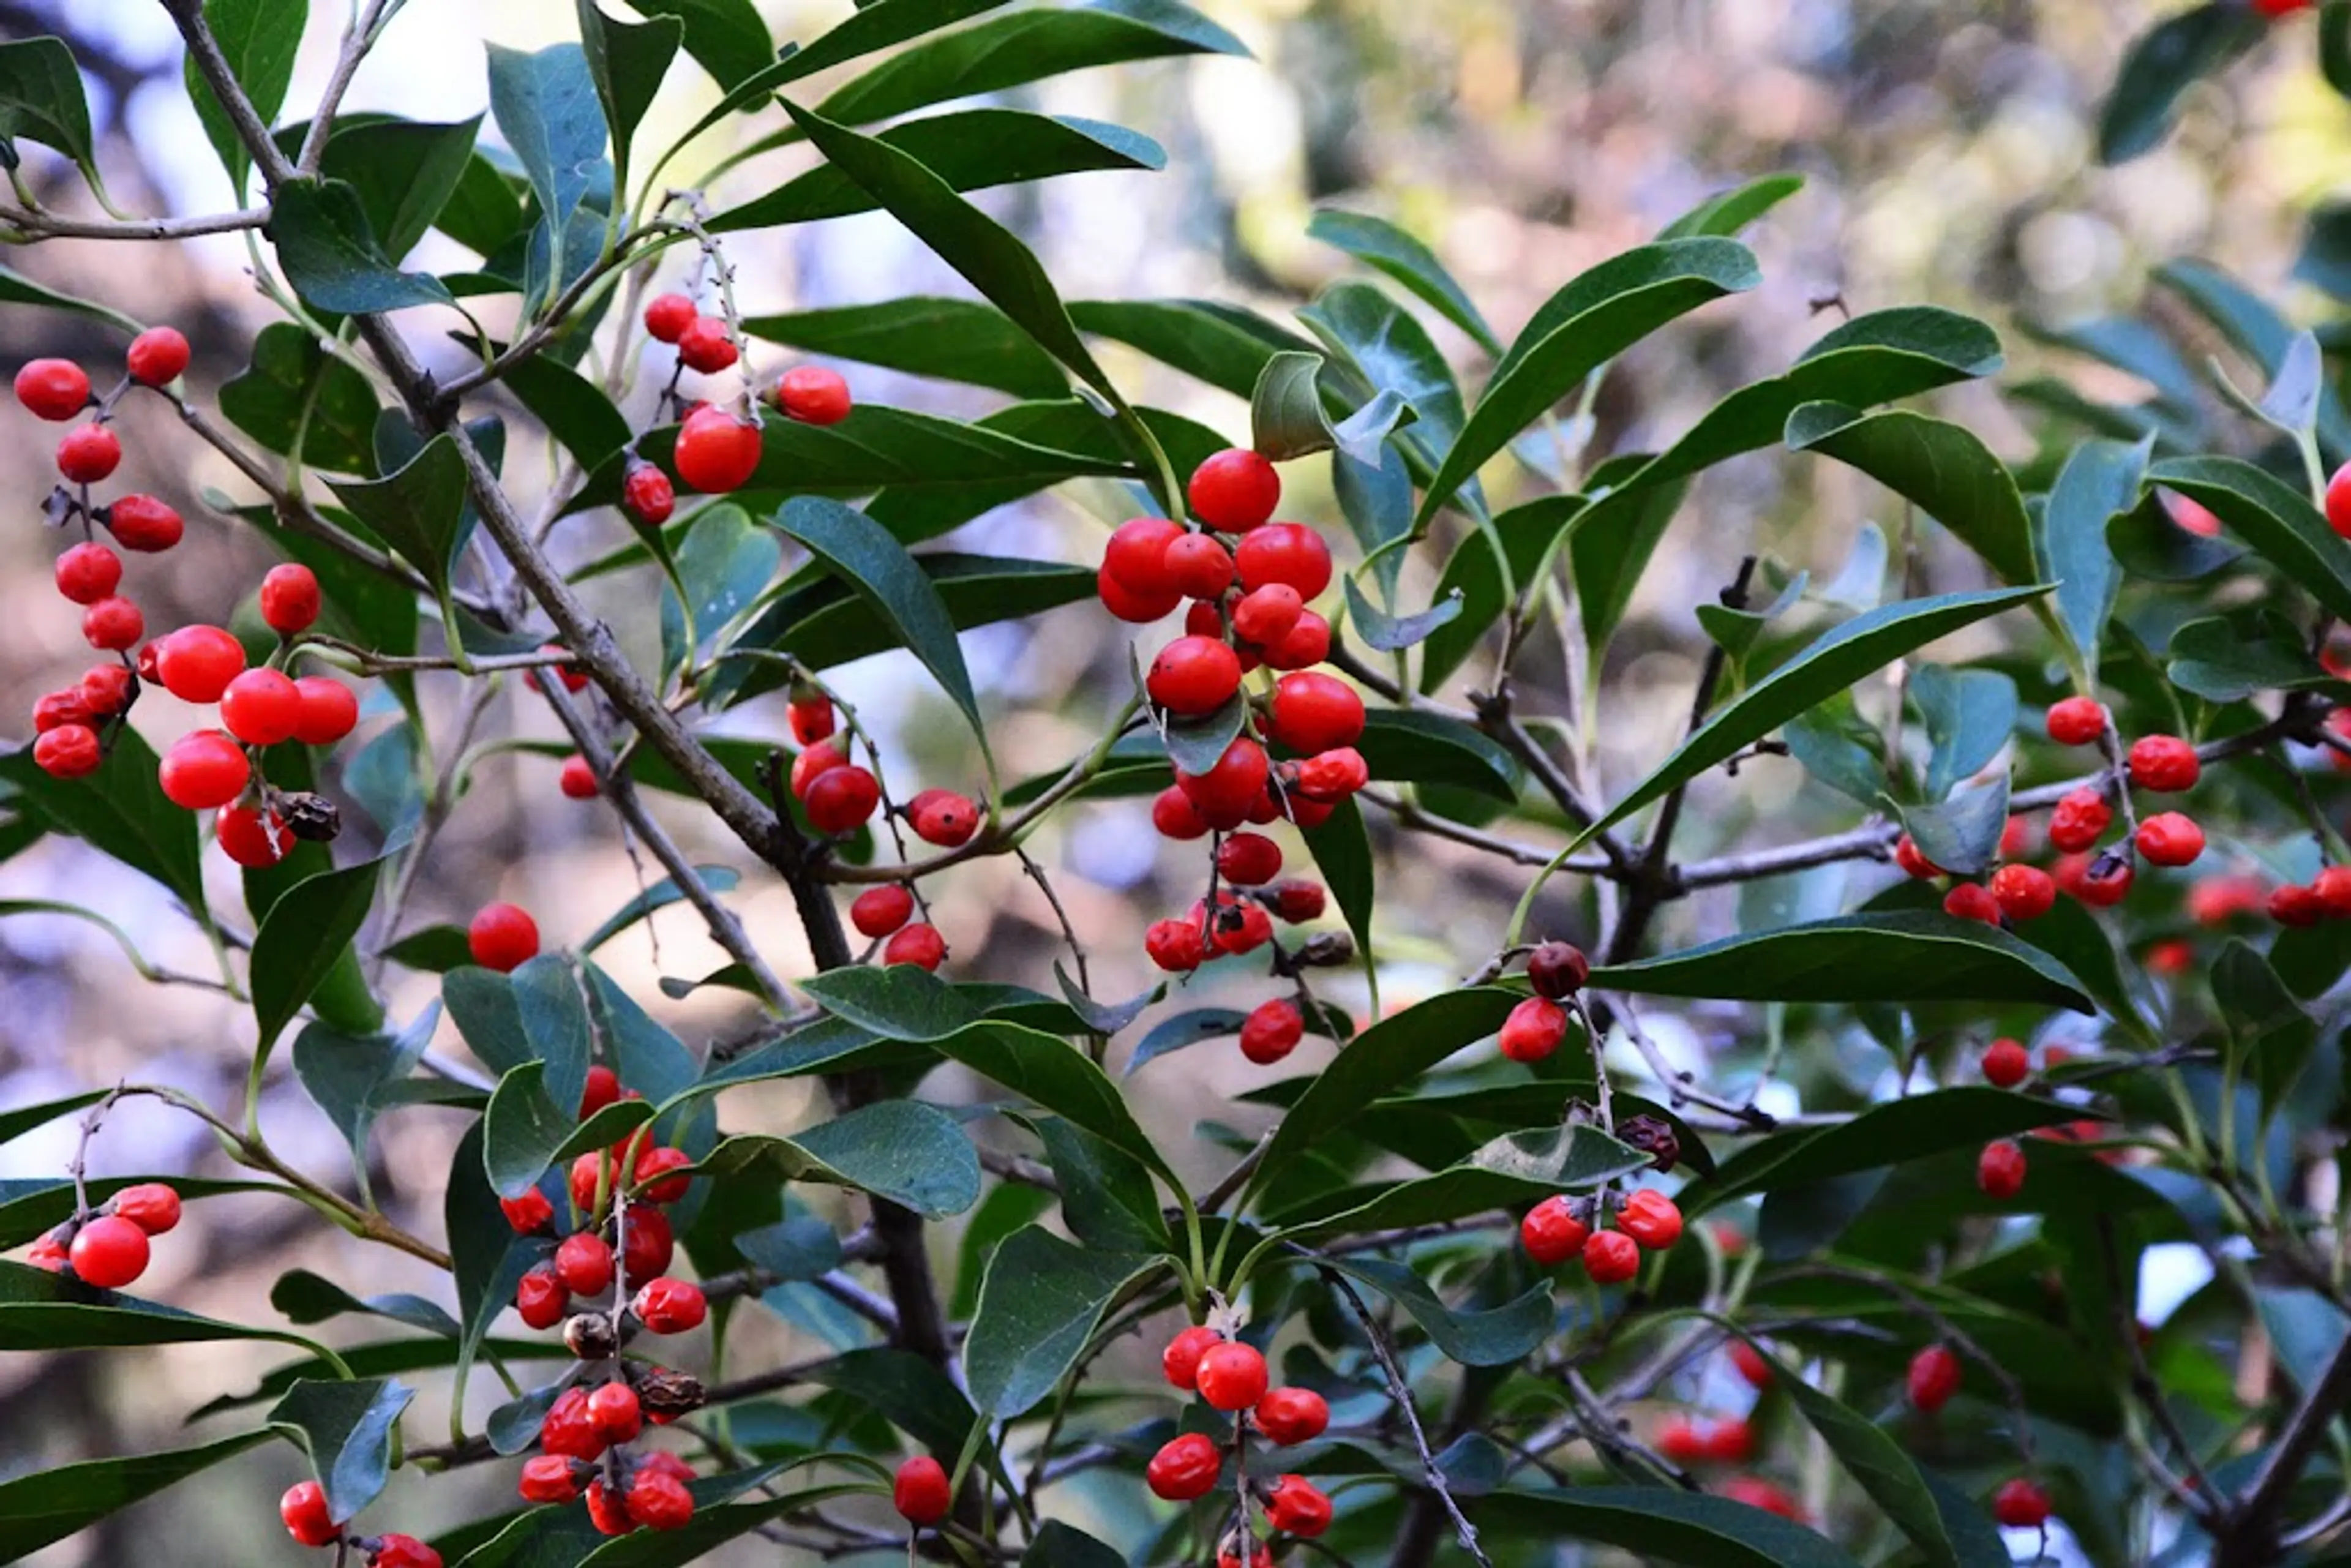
(1948, 155)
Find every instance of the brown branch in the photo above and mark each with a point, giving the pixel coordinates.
(2251, 1535)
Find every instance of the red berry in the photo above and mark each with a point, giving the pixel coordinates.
(2333, 887)
(503, 937)
(87, 453)
(1681, 1440)
(108, 1252)
(1314, 712)
(667, 316)
(1197, 566)
(1271, 1031)
(1533, 1029)
(607, 1511)
(1288, 553)
(603, 1089)
(647, 493)
(650, 1179)
(919, 945)
(548, 1478)
(2294, 905)
(1173, 813)
(2079, 820)
(261, 708)
(813, 395)
(1296, 1506)
(1907, 856)
(2000, 1169)
(920, 1492)
(402, 1552)
(2077, 721)
(2338, 499)
(149, 1205)
(1264, 616)
(1137, 558)
(1551, 1232)
(1180, 1362)
(613, 1407)
(304, 1510)
(1128, 605)
(113, 624)
(568, 1430)
(1231, 1375)
(528, 1214)
(1307, 645)
(584, 1264)
(54, 390)
(1934, 1378)
(1611, 1257)
(942, 817)
(715, 452)
(1224, 794)
(670, 1306)
(1727, 1443)
(1241, 927)
(577, 779)
(144, 524)
(203, 769)
(157, 357)
(540, 1298)
(840, 798)
(813, 764)
(651, 1244)
(2015, 836)
(2024, 892)
(196, 664)
(1751, 1363)
(1184, 1468)
(2170, 838)
(2105, 880)
(69, 751)
(2019, 1504)
(1756, 1492)
(1290, 1415)
(1172, 945)
(879, 911)
(1263, 1557)
(2273, 9)
(707, 346)
(1194, 676)
(1248, 860)
(1557, 970)
(89, 573)
(2164, 763)
(105, 688)
(812, 719)
(55, 710)
(2173, 957)
(1297, 901)
(1235, 490)
(1652, 1219)
(46, 1255)
(330, 711)
(1332, 776)
(1972, 901)
(289, 598)
(2006, 1064)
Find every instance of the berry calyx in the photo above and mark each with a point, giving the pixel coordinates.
(108, 1252)
(1551, 1232)
(1231, 1375)
(879, 911)
(813, 395)
(667, 316)
(503, 937)
(716, 452)
(261, 708)
(919, 945)
(88, 454)
(149, 1205)
(647, 493)
(54, 390)
(1272, 1030)
(1184, 1468)
(1296, 1506)
(144, 524)
(1611, 1257)
(157, 357)
(1557, 970)
(2164, 764)
(203, 771)
(1289, 1415)
(1194, 676)
(304, 1510)
(2170, 838)
(944, 818)
(89, 573)
(1652, 1219)
(1533, 1029)
(1934, 1378)
(2024, 892)
(1234, 491)
(2006, 1063)
(1315, 713)
(2019, 1504)
(289, 598)
(919, 1491)
(2000, 1169)
(2077, 721)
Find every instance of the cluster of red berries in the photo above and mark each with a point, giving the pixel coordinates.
(108, 1250)
(1231, 1377)
(585, 1451)
(717, 451)
(304, 1510)
(1561, 1227)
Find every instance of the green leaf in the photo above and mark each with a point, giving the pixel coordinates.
(722, 565)
(2334, 46)
(1341, 848)
(1593, 318)
(1963, 834)
(1733, 210)
(725, 36)
(2268, 1031)
(44, 1311)
(1108, 1200)
(2162, 65)
(923, 335)
(2099, 482)
(419, 509)
(346, 1076)
(307, 1298)
(547, 108)
(346, 1428)
(1409, 746)
(1661, 1524)
(661, 895)
(1042, 1302)
(1970, 714)
(1392, 634)
(914, 1154)
(1057, 1076)
(1908, 957)
(301, 938)
(554, 1017)
(1223, 345)
(404, 171)
(41, 99)
(900, 1001)
(2272, 517)
(1517, 1169)
(1494, 1337)
(1059, 1545)
(970, 150)
(1897, 1132)
(481, 1003)
(1379, 244)
(290, 377)
(1394, 353)
(1877, 1463)
(1026, 47)
(18, 1121)
(627, 63)
(48, 1505)
(2256, 329)
(1286, 417)
(525, 1131)
(647, 1057)
(487, 1258)
(259, 38)
(1944, 467)
(15, 288)
(119, 811)
(577, 414)
(1835, 662)
(864, 555)
(2224, 662)
(328, 253)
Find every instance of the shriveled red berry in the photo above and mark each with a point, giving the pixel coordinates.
(503, 937)
(1296, 1506)
(2081, 819)
(944, 818)
(1307, 645)
(1651, 1218)
(2106, 880)
(55, 710)
(1248, 860)
(69, 751)
(1173, 945)
(2000, 1169)
(528, 1214)
(670, 1306)
(1241, 927)
(919, 1491)
(108, 1252)
(1272, 1030)
(1972, 901)
(540, 1298)
(1313, 712)
(1297, 900)
(196, 664)
(1173, 813)
(568, 1429)
(2170, 838)
(919, 945)
(47, 1254)
(842, 799)
(584, 1264)
(54, 390)
(608, 1510)
(2024, 892)
(1231, 1375)
(1224, 794)
(813, 395)
(1611, 1257)
(261, 708)
(1907, 856)
(1551, 1232)
(144, 524)
(647, 493)
(659, 1500)
(1234, 491)
(1184, 1468)
(1533, 1029)
(548, 1478)
(397, 1551)
(667, 316)
(2006, 1063)
(89, 573)
(88, 454)
(1288, 553)
(615, 1411)
(2164, 763)
(707, 345)
(1192, 675)
(1197, 566)
(157, 357)
(2077, 721)
(716, 452)
(105, 688)
(1934, 1378)
(151, 1206)
(879, 911)
(577, 779)
(203, 771)
(1180, 1362)
(329, 710)
(1264, 616)
(304, 1510)
(113, 624)
(1290, 1415)
(1332, 776)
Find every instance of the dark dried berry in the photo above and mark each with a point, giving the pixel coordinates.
(1330, 950)
(667, 1394)
(1557, 970)
(311, 817)
(1654, 1137)
(589, 1336)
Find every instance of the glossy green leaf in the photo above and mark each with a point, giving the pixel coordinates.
(1733, 210)
(1058, 1077)
(1968, 715)
(2099, 481)
(346, 1428)
(15, 288)
(525, 1130)
(330, 253)
(1025, 46)
(307, 1298)
(41, 99)
(404, 171)
(1341, 848)
(899, 1002)
(546, 108)
(554, 1017)
(2269, 1033)
(2256, 329)
(1108, 1199)
(923, 335)
(647, 1057)
(1494, 1336)
(1593, 318)
(18, 1120)
(44, 1311)
(1895, 1132)
(1961, 835)
(305, 933)
(727, 38)
(1530, 534)
(1226, 346)
(1286, 418)
(2163, 63)
(1835, 661)
(487, 1258)
(2272, 517)
(1391, 634)
(48, 1505)
(347, 1076)
(1042, 1302)
(1840, 750)
(577, 414)
(914, 1154)
(1944, 467)
(119, 811)
(1413, 747)
(419, 509)
(2226, 661)
(290, 375)
(1377, 243)
(1907, 956)
(2148, 544)
(661, 895)
(723, 564)
(1511, 1172)
(259, 39)
(1060, 1546)
(481, 1003)
(627, 62)
(1372, 333)
(1661, 1524)
(1878, 1465)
